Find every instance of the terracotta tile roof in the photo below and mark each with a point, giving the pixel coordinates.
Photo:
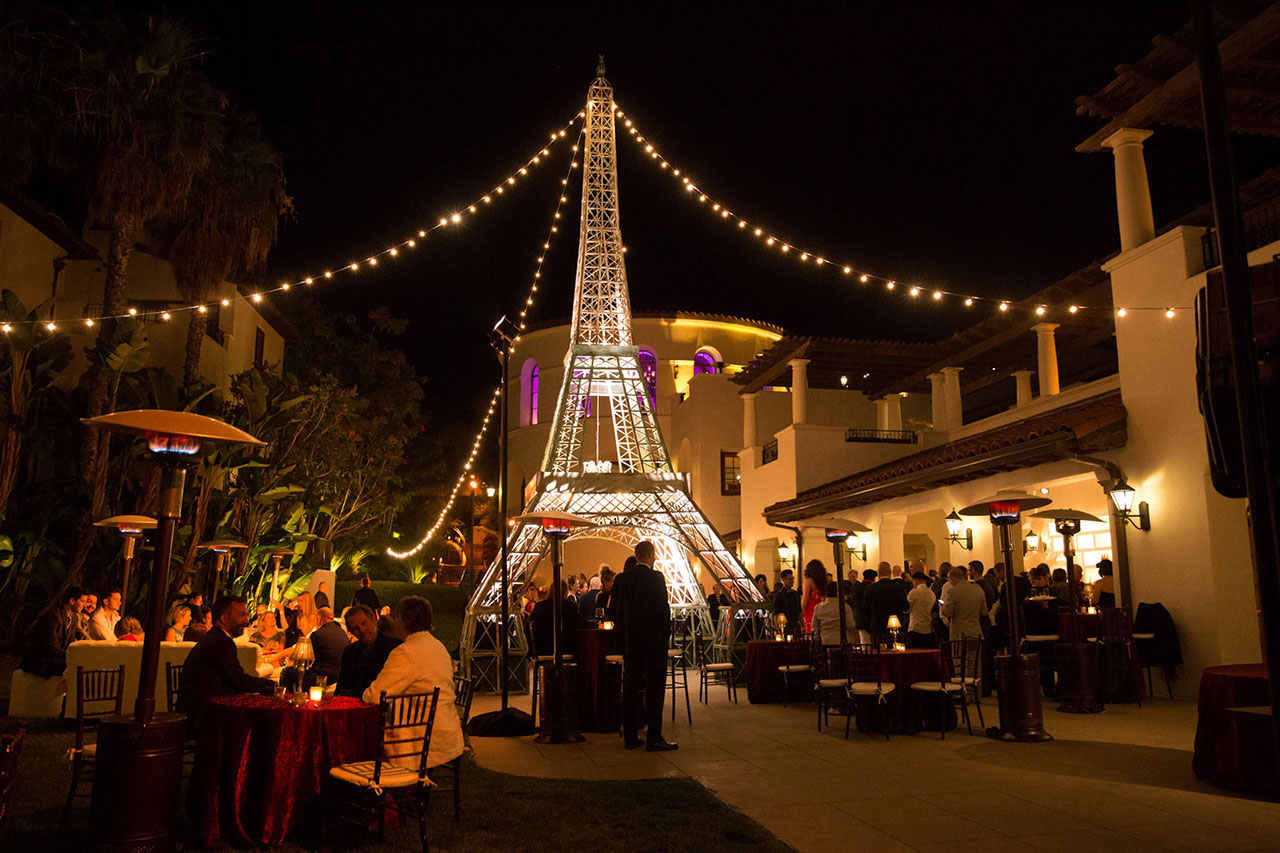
(1092, 425)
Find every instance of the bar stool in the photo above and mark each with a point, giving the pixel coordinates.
(677, 677)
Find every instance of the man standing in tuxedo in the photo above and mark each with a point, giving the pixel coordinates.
(644, 622)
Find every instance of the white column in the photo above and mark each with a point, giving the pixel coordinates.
(882, 413)
(955, 410)
(1023, 378)
(1047, 358)
(894, 404)
(938, 397)
(1133, 195)
(799, 390)
(749, 420)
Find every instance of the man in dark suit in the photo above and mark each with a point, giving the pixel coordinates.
(786, 602)
(541, 623)
(885, 598)
(367, 595)
(644, 623)
(328, 642)
(363, 659)
(212, 668)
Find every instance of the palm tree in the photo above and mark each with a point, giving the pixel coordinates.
(227, 223)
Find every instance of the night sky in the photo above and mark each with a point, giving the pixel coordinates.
(929, 142)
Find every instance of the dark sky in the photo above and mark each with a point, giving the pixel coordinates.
(930, 142)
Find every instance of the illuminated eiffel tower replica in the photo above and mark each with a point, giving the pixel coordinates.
(632, 497)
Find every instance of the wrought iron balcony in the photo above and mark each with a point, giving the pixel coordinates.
(881, 436)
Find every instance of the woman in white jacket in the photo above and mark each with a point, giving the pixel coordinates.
(420, 664)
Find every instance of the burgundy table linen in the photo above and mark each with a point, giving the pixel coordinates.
(598, 694)
(1235, 751)
(909, 711)
(764, 681)
(261, 762)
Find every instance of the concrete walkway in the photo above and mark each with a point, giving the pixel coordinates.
(1118, 781)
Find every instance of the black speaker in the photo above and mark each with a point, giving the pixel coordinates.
(1215, 384)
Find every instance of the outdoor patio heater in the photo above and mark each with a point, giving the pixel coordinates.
(1079, 663)
(559, 681)
(137, 783)
(1017, 674)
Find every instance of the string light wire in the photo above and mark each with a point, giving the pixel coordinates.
(771, 240)
(481, 201)
(526, 307)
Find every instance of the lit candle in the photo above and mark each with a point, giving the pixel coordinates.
(316, 693)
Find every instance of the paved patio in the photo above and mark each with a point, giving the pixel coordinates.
(1117, 781)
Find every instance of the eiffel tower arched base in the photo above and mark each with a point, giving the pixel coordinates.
(625, 508)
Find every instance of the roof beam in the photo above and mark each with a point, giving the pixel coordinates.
(1184, 85)
(775, 370)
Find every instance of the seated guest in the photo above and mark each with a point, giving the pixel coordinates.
(328, 642)
(920, 624)
(212, 668)
(46, 652)
(179, 621)
(367, 595)
(1058, 585)
(88, 606)
(419, 665)
(363, 659)
(587, 601)
(196, 602)
(1104, 588)
(102, 625)
(129, 630)
(826, 618)
(541, 621)
(270, 638)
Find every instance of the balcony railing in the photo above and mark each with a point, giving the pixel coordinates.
(1261, 226)
(881, 436)
(769, 453)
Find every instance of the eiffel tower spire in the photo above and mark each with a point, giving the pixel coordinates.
(628, 488)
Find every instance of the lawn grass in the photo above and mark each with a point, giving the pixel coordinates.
(499, 812)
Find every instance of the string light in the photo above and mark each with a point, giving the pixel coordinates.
(805, 255)
(476, 444)
(393, 251)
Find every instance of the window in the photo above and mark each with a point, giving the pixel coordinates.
(533, 395)
(259, 347)
(704, 362)
(730, 473)
(649, 373)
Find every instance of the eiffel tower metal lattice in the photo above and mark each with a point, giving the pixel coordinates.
(635, 495)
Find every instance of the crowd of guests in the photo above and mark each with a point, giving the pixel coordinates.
(949, 603)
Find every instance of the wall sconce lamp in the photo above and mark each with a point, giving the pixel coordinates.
(957, 533)
(784, 554)
(1032, 542)
(1122, 497)
(856, 547)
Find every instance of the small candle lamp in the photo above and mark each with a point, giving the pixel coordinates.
(895, 625)
(607, 626)
(316, 693)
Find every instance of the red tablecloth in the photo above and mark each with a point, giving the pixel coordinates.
(903, 668)
(599, 695)
(1234, 751)
(261, 761)
(764, 681)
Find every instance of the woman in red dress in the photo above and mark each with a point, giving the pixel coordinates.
(815, 581)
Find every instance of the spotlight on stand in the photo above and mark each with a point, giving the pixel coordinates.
(1122, 496)
(559, 691)
(1017, 675)
(1079, 663)
(957, 533)
(130, 527)
(138, 778)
